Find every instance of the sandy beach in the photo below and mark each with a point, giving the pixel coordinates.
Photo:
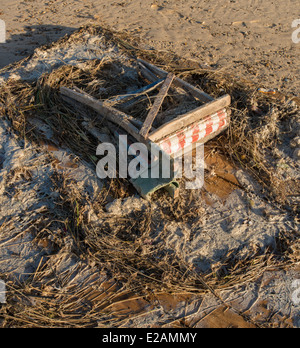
(252, 39)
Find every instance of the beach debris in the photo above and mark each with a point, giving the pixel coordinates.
(199, 125)
(268, 91)
(135, 95)
(196, 126)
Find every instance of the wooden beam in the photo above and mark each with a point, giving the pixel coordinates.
(147, 74)
(193, 116)
(142, 91)
(136, 122)
(118, 117)
(196, 92)
(156, 106)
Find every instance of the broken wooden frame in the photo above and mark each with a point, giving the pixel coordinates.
(199, 125)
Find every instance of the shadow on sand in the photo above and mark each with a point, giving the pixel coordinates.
(22, 45)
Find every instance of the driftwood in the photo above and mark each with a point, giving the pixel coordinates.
(103, 138)
(146, 73)
(143, 91)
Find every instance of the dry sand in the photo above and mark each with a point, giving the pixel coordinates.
(253, 39)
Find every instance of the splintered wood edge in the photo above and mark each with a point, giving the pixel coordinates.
(193, 116)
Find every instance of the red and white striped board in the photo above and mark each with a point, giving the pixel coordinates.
(196, 132)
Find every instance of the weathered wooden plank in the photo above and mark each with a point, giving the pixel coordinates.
(196, 92)
(102, 137)
(146, 73)
(183, 121)
(142, 91)
(156, 106)
(112, 114)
